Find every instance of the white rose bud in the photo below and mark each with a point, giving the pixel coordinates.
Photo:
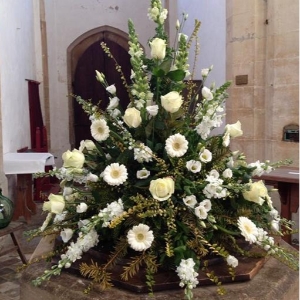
(88, 145)
(132, 117)
(161, 189)
(204, 72)
(207, 94)
(56, 204)
(74, 159)
(158, 48)
(171, 102)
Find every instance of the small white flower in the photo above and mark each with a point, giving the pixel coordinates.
(190, 201)
(232, 261)
(248, 229)
(67, 191)
(152, 110)
(113, 103)
(275, 225)
(227, 173)
(66, 234)
(176, 145)
(92, 177)
(115, 174)
(142, 153)
(111, 89)
(206, 93)
(81, 208)
(204, 72)
(142, 174)
(99, 130)
(205, 156)
(206, 204)
(140, 237)
(193, 166)
(201, 212)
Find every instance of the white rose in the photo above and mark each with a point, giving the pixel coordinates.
(66, 234)
(81, 208)
(171, 102)
(56, 204)
(206, 93)
(257, 192)
(158, 48)
(162, 188)
(132, 117)
(74, 159)
(234, 130)
(88, 145)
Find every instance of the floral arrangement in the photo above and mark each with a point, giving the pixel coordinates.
(156, 184)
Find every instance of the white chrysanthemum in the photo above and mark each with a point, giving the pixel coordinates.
(248, 229)
(99, 130)
(176, 145)
(232, 261)
(190, 201)
(140, 237)
(142, 174)
(115, 174)
(201, 212)
(205, 156)
(193, 166)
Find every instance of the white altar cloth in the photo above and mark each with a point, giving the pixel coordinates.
(27, 162)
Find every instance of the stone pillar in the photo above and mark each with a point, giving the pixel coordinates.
(262, 62)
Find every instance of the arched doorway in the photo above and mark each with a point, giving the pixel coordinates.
(88, 56)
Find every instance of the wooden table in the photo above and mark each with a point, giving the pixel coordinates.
(286, 180)
(24, 165)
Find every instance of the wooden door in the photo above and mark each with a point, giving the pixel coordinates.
(86, 85)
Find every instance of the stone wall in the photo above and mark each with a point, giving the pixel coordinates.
(263, 45)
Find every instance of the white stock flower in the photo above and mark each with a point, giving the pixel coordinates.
(206, 93)
(132, 117)
(111, 211)
(187, 274)
(115, 174)
(193, 165)
(142, 174)
(205, 156)
(176, 145)
(81, 208)
(248, 229)
(111, 89)
(140, 237)
(190, 201)
(232, 261)
(171, 102)
(158, 48)
(99, 130)
(142, 153)
(66, 234)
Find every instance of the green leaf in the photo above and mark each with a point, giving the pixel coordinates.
(176, 75)
(166, 65)
(158, 72)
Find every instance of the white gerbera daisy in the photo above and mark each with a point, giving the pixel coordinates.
(248, 229)
(140, 237)
(99, 130)
(176, 145)
(205, 156)
(193, 166)
(115, 174)
(190, 201)
(201, 212)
